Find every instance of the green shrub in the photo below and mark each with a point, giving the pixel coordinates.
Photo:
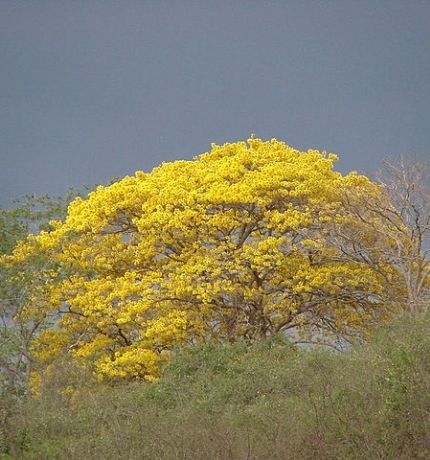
(268, 400)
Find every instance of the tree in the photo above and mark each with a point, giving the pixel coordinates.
(19, 285)
(396, 226)
(408, 186)
(237, 243)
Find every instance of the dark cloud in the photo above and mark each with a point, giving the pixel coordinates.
(95, 90)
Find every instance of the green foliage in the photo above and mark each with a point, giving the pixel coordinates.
(29, 214)
(268, 400)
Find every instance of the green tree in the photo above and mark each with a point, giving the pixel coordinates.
(30, 214)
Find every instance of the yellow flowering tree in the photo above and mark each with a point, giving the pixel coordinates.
(236, 243)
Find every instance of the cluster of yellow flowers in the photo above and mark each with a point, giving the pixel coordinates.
(235, 243)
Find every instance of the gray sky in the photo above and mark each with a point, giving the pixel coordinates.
(91, 90)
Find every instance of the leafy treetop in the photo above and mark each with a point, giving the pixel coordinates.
(237, 243)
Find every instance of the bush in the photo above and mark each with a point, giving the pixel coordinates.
(263, 401)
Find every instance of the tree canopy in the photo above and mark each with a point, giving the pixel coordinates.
(19, 285)
(240, 242)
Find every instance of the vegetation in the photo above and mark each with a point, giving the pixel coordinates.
(246, 241)
(268, 400)
(19, 284)
(17, 287)
(181, 308)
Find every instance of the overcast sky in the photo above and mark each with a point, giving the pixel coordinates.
(94, 90)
